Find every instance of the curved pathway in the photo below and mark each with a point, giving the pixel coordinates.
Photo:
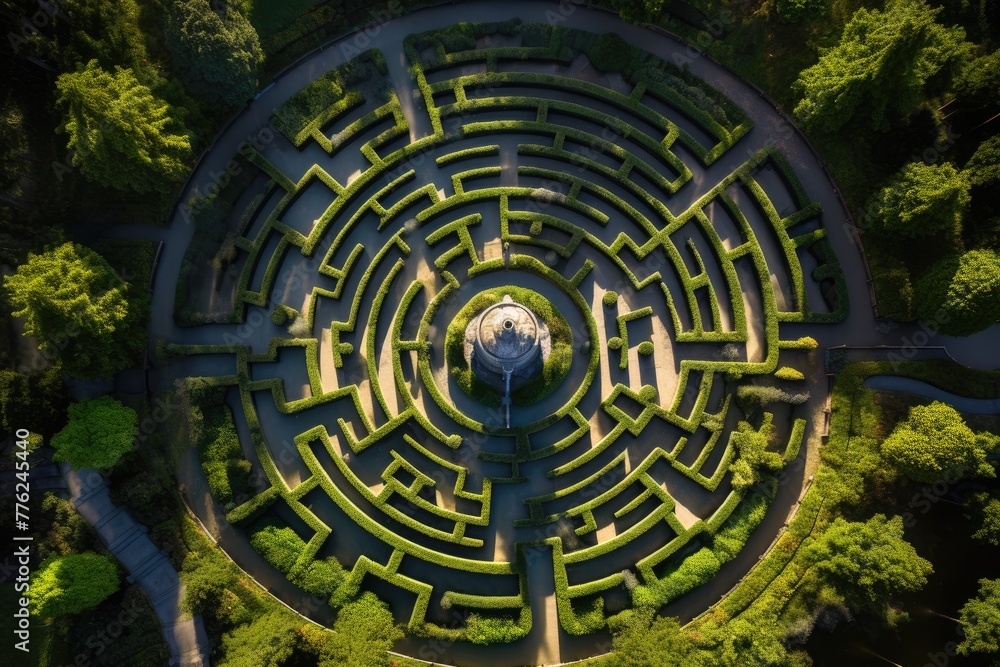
(979, 406)
(127, 541)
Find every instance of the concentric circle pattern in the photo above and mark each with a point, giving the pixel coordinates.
(517, 156)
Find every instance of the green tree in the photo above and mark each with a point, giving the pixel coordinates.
(802, 10)
(643, 639)
(982, 225)
(986, 511)
(107, 30)
(867, 562)
(212, 587)
(217, 53)
(960, 293)
(921, 200)
(100, 431)
(881, 67)
(934, 442)
(76, 32)
(752, 458)
(70, 584)
(980, 618)
(120, 134)
(638, 11)
(269, 640)
(362, 634)
(978, 81)
(983, 168)
(66, 531)
(78, 309)
(753, 638)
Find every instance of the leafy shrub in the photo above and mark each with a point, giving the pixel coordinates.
(278, 544)
(789, 373)
(454, 38)
(757, 396)
(697, 569)
(222, 459)
(216, 52)
(75, 304)
(802, 10)
(100, 431)
(72, 583)
(921, 200)
(611, 53)
(752, 457)
(732, 537)
(610, 298)
(482, 629)
(645, 348)
(283, 314)
(934, 443)
(67, 532)
(959, 293)
(894, 293)
(321, 578)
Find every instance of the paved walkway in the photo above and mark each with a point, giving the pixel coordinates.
(979, 406)
(148, 566)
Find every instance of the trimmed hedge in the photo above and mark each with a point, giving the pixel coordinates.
(326, 97)
(222, 460)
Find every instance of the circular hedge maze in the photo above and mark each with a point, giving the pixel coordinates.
(342, 265)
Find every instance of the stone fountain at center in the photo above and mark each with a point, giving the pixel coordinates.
(506, 346)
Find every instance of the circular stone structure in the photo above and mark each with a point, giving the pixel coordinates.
(384, 200)
(507, 339)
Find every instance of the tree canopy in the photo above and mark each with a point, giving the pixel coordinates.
(77, 308)
(362, 635)
(934, 442)
(72, 583)
(217, 53)
(269, 640)
(986, 511)
(921, 200)
(802, 10)
(100, 431)
(638, 11)
(642, 639)
(120, 134)
(880, 68)
(866, 562)
(74, 32)
(752, 458)
(978, 81)
(984, 166)
(980, 618)
(960, 293)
